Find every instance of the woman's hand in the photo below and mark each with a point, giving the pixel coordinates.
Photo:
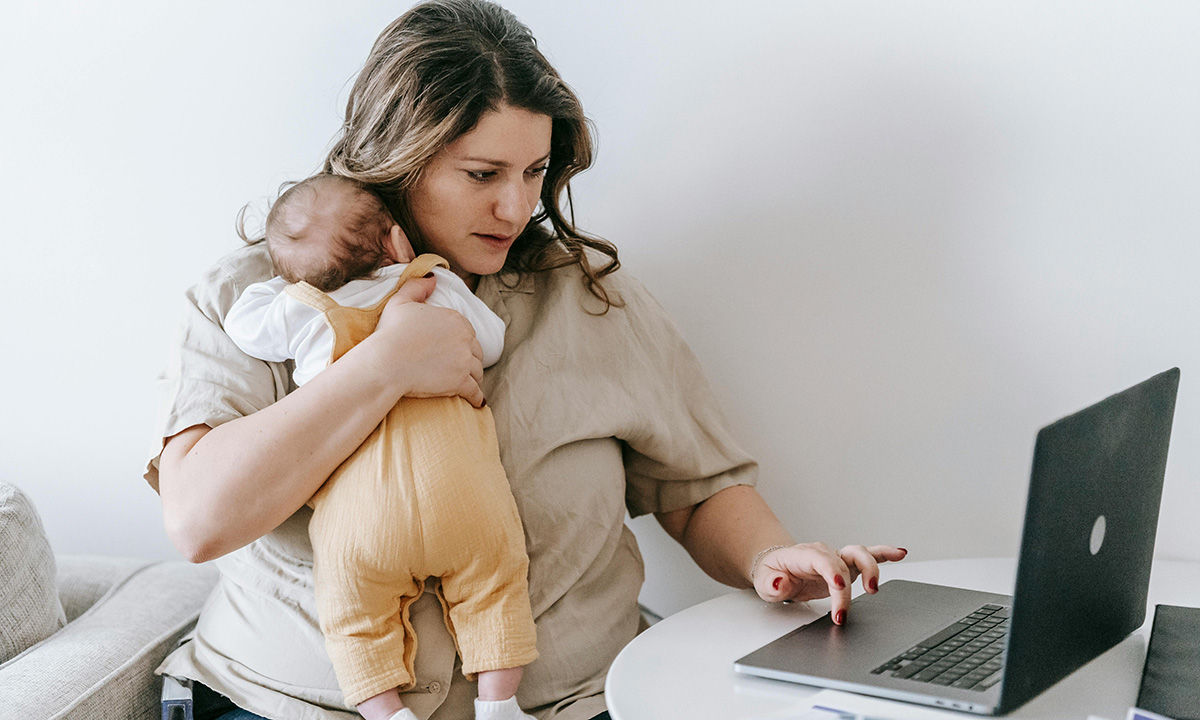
(725, 534)
(813, 570)
(223, 487)
(435, 347)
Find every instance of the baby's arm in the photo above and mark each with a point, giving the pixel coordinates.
(257, 322)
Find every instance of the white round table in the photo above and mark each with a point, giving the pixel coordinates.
(682, 667)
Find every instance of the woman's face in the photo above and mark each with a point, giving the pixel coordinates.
(477, 194)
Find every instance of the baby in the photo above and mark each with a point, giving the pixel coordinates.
(425, 495)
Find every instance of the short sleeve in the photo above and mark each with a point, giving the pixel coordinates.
(207, 379)
(681, 450)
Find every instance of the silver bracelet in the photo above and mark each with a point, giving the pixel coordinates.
(758, 558)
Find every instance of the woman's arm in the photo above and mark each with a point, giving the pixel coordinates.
(736, 538)
(224, 487)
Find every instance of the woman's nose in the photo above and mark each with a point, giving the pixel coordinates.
(513, 204)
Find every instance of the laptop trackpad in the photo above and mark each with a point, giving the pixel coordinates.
(878, 628)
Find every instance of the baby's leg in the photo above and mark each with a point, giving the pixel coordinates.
(474, 543)
(499, 684)
(385, 706)
(363, 585)
(497, 695)
(493, 627)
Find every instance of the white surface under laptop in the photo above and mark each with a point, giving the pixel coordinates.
(874, 708)
(681, 668)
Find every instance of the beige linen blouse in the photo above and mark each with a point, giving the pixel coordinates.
(596, 414)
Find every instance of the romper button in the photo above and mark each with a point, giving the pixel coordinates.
(435, 687)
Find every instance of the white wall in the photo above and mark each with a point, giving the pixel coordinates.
(901, 236)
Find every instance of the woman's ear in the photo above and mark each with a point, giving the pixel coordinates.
(398, 246)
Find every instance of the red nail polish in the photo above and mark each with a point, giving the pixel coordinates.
(840, 617)
(841, 584)
(873, 584)
(775, 583)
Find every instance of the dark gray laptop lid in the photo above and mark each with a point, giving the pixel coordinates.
(1090, 524)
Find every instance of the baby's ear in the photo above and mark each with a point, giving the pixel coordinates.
(401, 250)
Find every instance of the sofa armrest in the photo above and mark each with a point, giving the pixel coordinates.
(101, 665)
(83, 580)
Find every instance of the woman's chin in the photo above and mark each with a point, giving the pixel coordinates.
(489, 262)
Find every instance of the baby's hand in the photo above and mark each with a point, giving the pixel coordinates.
(400, 247)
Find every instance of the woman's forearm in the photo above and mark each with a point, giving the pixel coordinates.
(223, 487)
(726, 531)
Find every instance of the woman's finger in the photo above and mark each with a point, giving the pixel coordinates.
(861, 561)
(768, 579)
(472, 393)
(415, 290)
(838, 578)
(887, 553)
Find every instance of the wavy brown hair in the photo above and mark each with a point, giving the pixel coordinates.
(429, 78)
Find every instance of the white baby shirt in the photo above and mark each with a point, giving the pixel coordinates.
(271, 325)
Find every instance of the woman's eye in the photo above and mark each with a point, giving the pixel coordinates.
(538, 171)
(481, 175)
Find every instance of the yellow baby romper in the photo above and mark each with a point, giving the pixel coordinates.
(423, 496)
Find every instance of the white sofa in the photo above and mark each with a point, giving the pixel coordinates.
(80, 636)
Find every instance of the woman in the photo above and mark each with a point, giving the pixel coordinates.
(470, 135)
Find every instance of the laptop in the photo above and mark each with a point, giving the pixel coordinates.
(1082, 577)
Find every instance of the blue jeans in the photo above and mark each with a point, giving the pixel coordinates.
(210, 705)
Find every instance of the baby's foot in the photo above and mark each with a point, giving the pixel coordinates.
(404, 714)
(500, 710)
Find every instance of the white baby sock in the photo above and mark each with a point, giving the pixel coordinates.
(500, 710)
(404, 714)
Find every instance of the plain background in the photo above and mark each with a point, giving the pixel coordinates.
(900, 236)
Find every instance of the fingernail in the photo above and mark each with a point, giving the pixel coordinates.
(837, 580)
(873, 584)
(483, 404)
(775, 583)
(903, 550)
(840, 617)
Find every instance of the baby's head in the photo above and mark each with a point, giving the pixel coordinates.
(328, 230)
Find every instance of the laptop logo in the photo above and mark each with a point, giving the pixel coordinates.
(1097, 534)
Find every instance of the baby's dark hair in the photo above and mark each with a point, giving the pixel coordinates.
(357, 239)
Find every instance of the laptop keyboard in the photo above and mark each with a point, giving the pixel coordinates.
(968, 654)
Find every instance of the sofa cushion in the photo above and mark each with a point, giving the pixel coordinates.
(29, 607)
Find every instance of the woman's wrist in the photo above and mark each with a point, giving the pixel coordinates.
(762, 554)
(380, 371)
